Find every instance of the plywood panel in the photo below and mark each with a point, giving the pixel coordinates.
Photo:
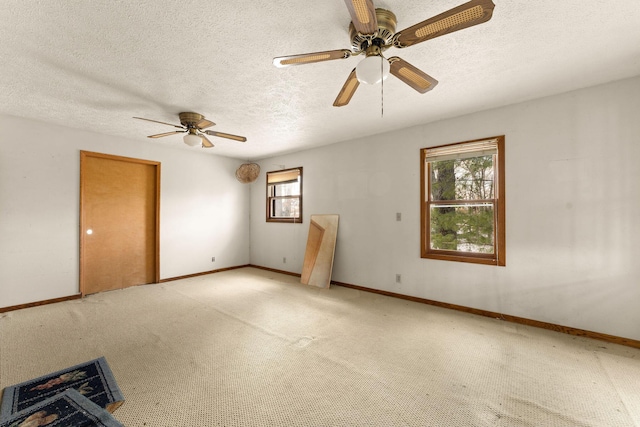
(119, 222)
(319, 254)
(314, 241)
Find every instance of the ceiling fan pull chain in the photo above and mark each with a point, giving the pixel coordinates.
(381, 89)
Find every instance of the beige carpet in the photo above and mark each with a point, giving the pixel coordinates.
(254, 348)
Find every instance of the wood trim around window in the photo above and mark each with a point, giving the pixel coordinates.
(268, 207)
(499, 256)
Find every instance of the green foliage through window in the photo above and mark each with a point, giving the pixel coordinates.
(467, 227)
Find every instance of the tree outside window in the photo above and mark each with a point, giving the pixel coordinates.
(463, 201)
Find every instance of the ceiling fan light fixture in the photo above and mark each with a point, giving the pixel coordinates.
(372, 69)
(192, 140)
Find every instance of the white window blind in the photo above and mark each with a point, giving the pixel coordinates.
(284, 176)
(462, 151)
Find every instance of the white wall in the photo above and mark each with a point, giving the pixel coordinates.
(204, 210)
(573, 211)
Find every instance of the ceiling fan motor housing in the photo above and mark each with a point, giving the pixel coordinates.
(190, 119)
(383, 38)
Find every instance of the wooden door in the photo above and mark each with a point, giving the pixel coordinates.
(119, 222)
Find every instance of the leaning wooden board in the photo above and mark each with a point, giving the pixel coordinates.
(319, 254)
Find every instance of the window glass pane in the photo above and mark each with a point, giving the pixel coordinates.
(288, 189)
(462, 179)
(286, 208)
(464, 228)
(284, 195)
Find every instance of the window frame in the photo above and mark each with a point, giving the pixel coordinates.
(270, 198)
(497, 258)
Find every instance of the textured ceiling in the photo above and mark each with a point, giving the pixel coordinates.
(95, 64)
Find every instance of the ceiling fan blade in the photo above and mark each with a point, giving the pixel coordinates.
(163, 123)
(347, 91)
(466, 15)
(205, 141)
(308, 58)
(226, 135)
(363, 15)
(414, 77)
(159, 135)
(204, 123)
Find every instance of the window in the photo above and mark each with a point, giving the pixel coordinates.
(462, 201)
(284, 195)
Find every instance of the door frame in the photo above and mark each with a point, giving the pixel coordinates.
(83, 156)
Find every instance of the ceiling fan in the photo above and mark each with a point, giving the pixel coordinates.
(192, 124)
(372, 31)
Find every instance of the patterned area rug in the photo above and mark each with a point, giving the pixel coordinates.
(93, 380)
(68, 408)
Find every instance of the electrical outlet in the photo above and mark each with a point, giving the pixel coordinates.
(213, 259)
(284, 259)
(398, 278)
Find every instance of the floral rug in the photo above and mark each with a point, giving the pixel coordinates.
(68, 408)
(93, 380)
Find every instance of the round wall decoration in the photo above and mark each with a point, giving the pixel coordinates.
(248, 172)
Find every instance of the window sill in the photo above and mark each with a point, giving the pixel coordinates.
(478, 259)
(286, 220)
